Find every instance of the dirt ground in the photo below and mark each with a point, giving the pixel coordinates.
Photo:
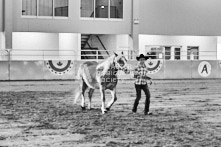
(186, 113)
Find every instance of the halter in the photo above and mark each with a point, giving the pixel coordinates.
(117, 65)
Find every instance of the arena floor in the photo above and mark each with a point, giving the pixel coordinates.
(42, 114)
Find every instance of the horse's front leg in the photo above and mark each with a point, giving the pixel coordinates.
(114, 98)
(103, 109)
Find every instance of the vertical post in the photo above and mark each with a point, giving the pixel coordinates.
(43, 64)
(172, 53)
(9, 65)
(97, 55)
(8, 23)
(8, 27)
(135, 25)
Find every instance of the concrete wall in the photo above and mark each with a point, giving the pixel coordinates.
(180, 17)
(35, 70)
(74, 24)
(38, 70)
(205, 43)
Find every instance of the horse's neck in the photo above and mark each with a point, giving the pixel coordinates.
(113, 68)
(106, 65)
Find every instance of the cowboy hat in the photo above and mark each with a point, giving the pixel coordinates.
(141, 56)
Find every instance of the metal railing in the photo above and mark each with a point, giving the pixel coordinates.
(26, 55)
(21, 54)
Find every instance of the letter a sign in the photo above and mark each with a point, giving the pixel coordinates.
(204, 69)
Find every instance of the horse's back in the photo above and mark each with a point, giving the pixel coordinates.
(90, 63)
(90, 67)
(88, 73)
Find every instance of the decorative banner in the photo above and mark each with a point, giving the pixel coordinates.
(204, 69)
(59, 67)
(154, 65)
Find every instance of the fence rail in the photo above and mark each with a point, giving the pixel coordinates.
(21, 54)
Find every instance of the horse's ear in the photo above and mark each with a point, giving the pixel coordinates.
(115, 54)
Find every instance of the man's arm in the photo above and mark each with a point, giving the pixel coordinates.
(148, 78)
(136, 73)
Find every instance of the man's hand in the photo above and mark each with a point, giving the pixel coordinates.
(151, 82)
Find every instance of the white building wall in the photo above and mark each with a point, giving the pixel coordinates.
(207, 45)
(219, 48)
(35, 46)
(45, 46)
(69, 46)
(123, 45)
(2, 40)
(3, 52)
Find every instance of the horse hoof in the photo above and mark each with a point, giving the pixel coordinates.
(83, 108)
(104, 111)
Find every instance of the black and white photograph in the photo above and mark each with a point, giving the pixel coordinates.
(110, 73)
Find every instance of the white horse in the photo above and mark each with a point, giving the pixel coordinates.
(100, 76)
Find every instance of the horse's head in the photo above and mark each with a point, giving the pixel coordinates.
(120, 62)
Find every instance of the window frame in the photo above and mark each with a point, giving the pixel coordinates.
(167, 52)
(45, 17)
(177, 56)
(102, 19)
(190, 49)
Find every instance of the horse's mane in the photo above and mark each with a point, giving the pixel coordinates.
(106, 64)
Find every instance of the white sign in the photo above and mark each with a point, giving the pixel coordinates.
(204, 69)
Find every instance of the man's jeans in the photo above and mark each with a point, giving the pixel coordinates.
(138, 92)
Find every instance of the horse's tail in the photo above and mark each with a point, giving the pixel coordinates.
(77, 95)
(78, 89)
(79, 72)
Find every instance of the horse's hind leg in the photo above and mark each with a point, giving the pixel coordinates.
(90, 93)
(84, 88)
(114, 98)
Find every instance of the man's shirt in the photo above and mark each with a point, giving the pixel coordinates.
(141, 75)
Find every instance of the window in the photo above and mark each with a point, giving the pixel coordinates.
(192, 52)
(45, 7)
(87, 8)
(167, 53)
(61, 8)
(177, 53)
(51, 8)
(116, 8)
(157, 52)
(102, 9)
(29, 7)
